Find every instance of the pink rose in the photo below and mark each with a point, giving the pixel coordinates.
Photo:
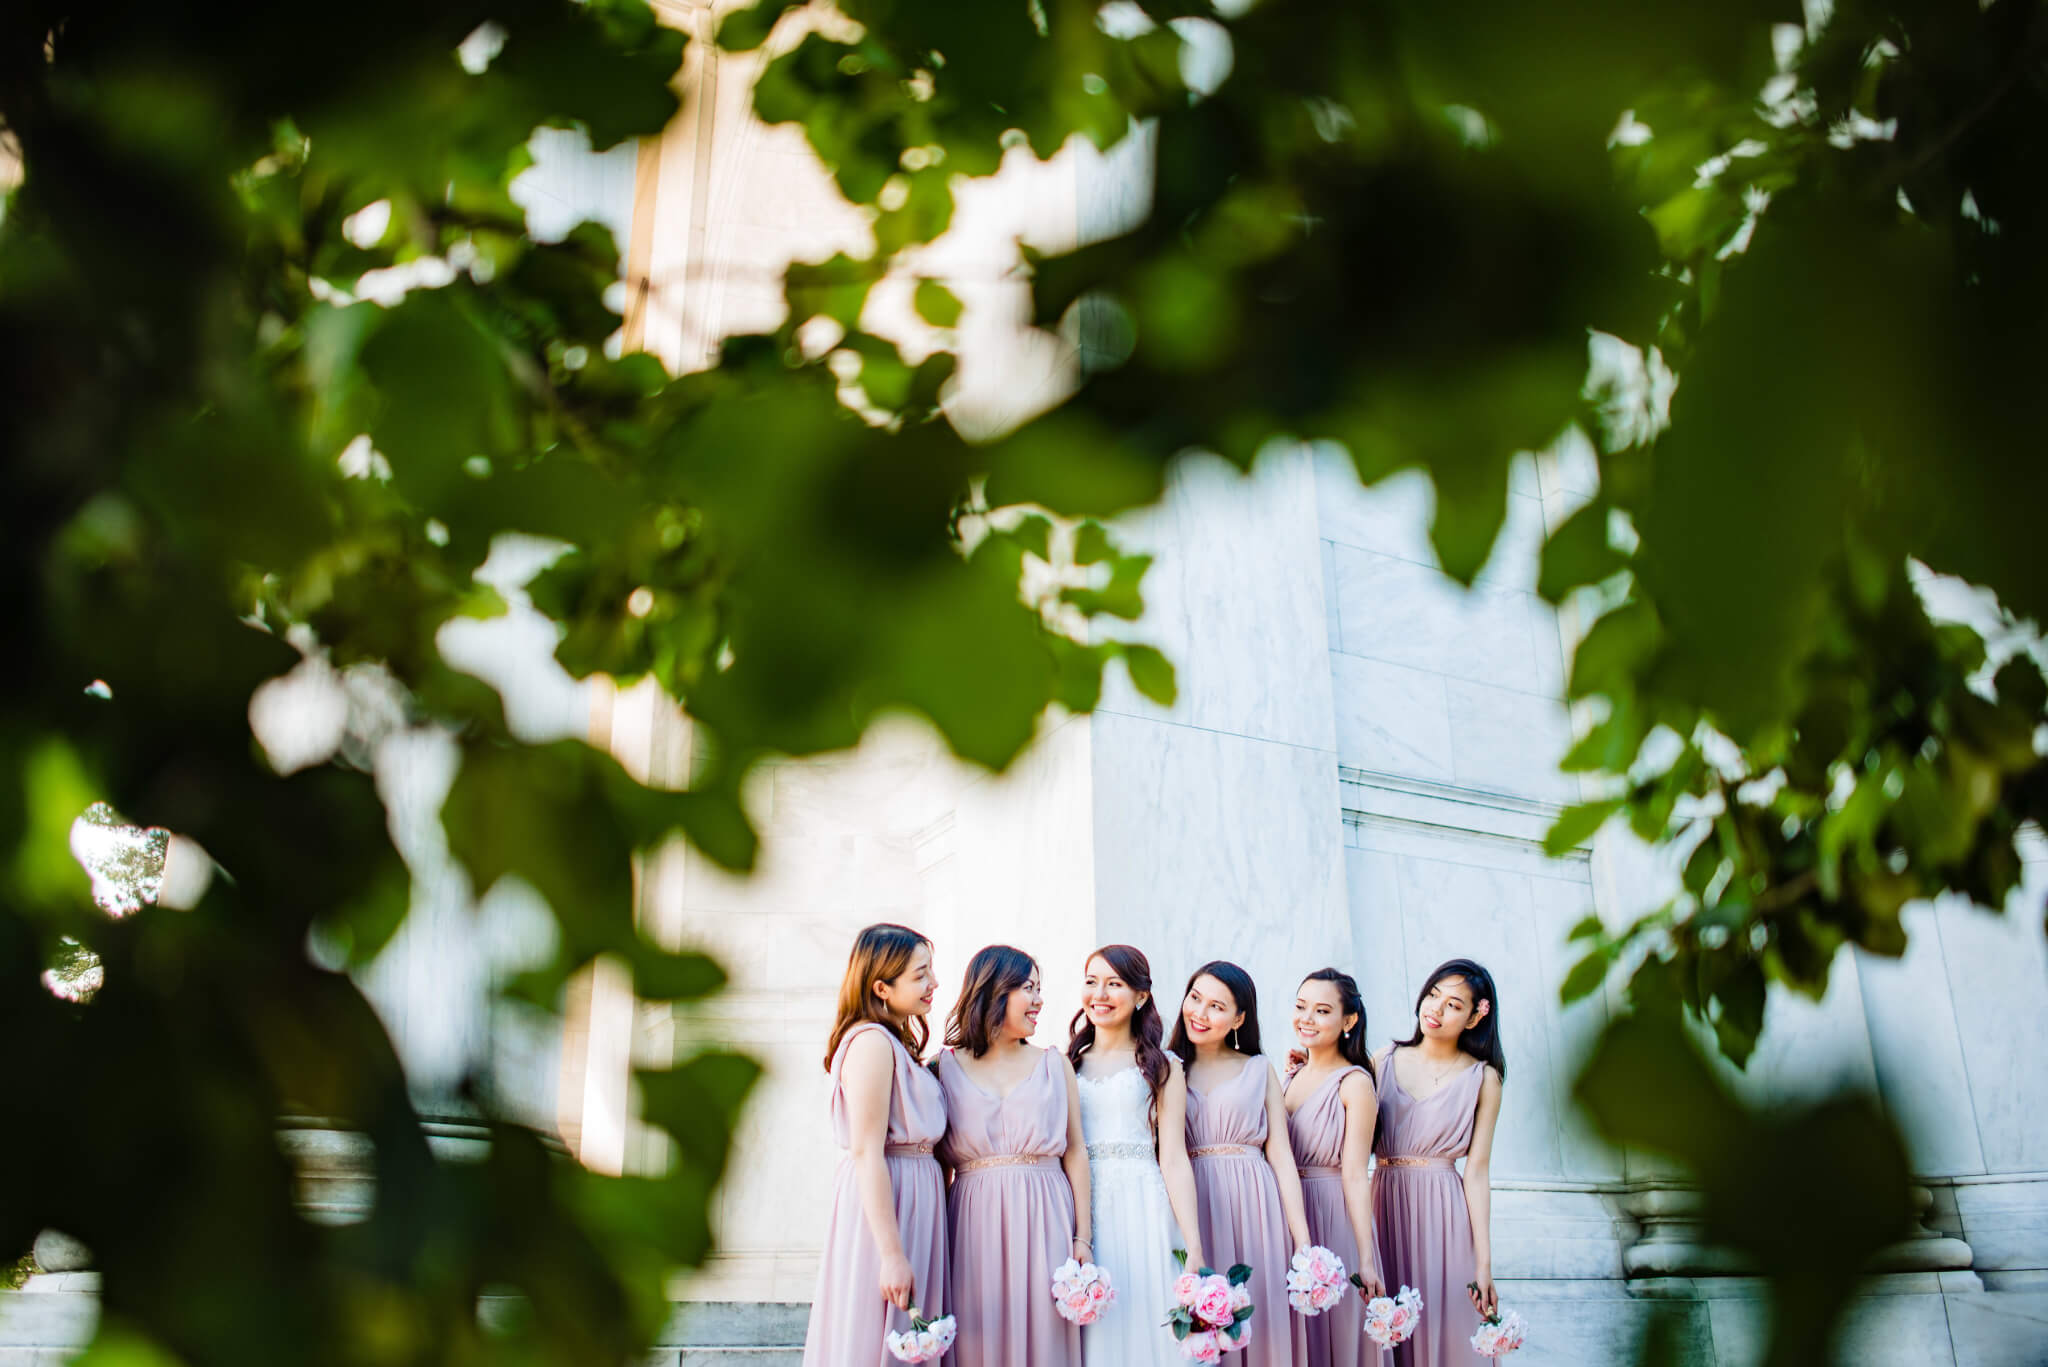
(1323, 1264)
(1240, 1297)
(1323, 1297)
(1201, 1347)
(1400, 1319)
(1185, 1286)
(1098, 1292)
(1212, 1302)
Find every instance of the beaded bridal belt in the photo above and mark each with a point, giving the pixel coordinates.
(1120, 1148)
(1220, 1150)
(1007, 1160)
(1413, 1162)
(923, 1150)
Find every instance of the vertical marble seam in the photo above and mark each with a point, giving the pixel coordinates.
(1962, 1051)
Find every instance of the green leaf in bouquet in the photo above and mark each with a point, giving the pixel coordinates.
(1239, 1274)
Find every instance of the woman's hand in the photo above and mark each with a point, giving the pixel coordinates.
(1370, 1275)
(1485, 1299)
(1196, 1262)
(1084, 1252)
(898, 1283)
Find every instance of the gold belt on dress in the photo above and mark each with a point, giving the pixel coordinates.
(1320, 1170)
(1412, 1161)
(1007, 1160)
(923, 1150)
(1219, 1150)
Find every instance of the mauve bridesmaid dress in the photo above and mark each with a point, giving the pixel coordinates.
(1011, 1214)
(1238, 1202)
(1419, 1213)
(848, 1315)
(1336, 1338)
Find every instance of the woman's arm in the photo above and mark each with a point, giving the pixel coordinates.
(1075, 1161)
(1280, 1153)
(1479, 1192)
(866, 1080)
(1174, 1163)
(1361, 1112)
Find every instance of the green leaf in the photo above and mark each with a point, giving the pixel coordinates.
(743, 30)
(1586, 977)
(936, 304)
(1576, 825)
(1577, 553)
(1151, 673)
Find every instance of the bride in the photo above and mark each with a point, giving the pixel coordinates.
(1133, 1115)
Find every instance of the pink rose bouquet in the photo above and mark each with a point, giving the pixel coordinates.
(1500, 1334)
(1392, 1319)
(1315, 1280)
(925, 1340)
(1209, 1311)
(1081, 1291)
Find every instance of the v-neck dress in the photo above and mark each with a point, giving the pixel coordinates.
(1238, 1201)
(1336, 1338)
(848, 1315)
(1419, 1213)
(1011, 1216)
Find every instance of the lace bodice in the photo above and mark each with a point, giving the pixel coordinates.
(1117, 1110)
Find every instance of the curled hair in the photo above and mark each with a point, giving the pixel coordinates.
(993, 974)
(881, 954)
(1481, 1041)
(1242, 991)
(1351, 1045)
(1130, 964)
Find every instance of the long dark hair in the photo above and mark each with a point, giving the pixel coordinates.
(881, 953)
(993, 974)
(1351, 1045)
(1130, 964)
(1239, 984)
(1481, 1041)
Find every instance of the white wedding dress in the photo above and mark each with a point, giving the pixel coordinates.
(1135, 1234)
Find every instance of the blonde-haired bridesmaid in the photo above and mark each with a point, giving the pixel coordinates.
(1019, 1206)
(885, 1241)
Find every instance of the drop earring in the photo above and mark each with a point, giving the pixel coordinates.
(1233, 1037)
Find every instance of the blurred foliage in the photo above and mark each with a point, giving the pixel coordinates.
(1390, 226)
(1393, 228)
(1648, 1086)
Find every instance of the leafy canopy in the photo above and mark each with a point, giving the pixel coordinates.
(1391, 226)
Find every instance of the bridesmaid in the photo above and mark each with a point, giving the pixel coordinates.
(885, 1241)
(1247, 1193)
(1019, 1204)
(1439, 1101)
(1332, 1107)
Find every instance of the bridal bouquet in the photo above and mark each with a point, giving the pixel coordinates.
(1082, 1291)
(1315, 1280)
(1391, 1319)
(925, 1340)
(1499, 1334)
(1209, 1311)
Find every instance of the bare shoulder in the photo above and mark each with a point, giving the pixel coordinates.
(1489, 1078)
(1060, 1060)
(1356, 1088)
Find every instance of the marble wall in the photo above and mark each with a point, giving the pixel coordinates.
(1359, 769)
